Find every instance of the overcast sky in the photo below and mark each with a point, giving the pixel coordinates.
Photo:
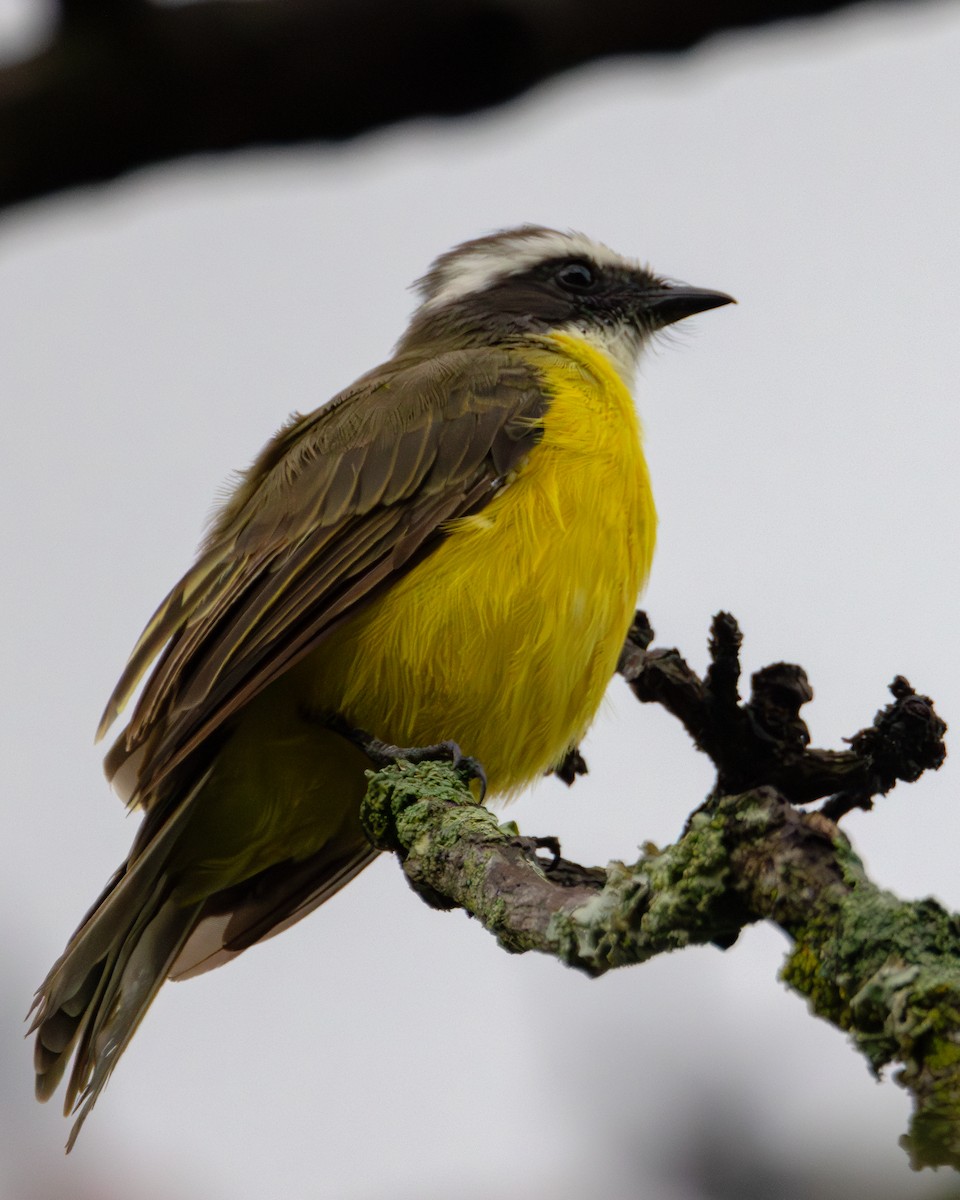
(804, 450)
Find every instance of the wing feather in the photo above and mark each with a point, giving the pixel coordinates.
(379, 470)
(237, 688)
(341, 501)
(171, 616)
(280, 596)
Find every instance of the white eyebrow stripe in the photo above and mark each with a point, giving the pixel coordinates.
(477, 267)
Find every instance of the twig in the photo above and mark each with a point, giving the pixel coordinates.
(884, 970)
(765, 742)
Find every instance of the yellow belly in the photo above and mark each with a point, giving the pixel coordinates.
(504, 640)
(506, 637)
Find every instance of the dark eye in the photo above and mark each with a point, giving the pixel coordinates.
(576, 277)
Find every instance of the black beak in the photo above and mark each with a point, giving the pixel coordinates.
(670, 303)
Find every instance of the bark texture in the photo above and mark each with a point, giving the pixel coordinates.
(884, 970)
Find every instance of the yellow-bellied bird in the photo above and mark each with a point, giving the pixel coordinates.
(451, 548)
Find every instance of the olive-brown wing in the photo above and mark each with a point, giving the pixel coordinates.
(339, 504)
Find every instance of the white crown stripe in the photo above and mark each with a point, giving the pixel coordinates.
(475, 266)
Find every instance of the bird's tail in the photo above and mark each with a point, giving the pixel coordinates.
(97, 992)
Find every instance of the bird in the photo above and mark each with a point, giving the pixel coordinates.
(448, 551)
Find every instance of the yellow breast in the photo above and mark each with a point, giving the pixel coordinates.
(505, 638)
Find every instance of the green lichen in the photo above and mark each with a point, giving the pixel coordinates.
(887, 972)
(604, 931)
(402, 796)
(884, 970)
(667, 900)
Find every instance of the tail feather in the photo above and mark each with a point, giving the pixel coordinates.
(58, 1033)
(147, 957)
(106, 925)
(267, 904)
(97, 992)
(102, 1012)
(101, 1008)
(143, 929)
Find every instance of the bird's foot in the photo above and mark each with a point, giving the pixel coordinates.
(383, 754)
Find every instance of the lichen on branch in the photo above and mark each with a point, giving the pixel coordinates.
(884, 970)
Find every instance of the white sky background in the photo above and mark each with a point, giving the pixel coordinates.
(803, 448)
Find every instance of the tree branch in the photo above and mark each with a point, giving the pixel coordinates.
(884, 970)
(765, 741)
(125, 83)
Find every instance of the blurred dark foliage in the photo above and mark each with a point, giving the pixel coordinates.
(124, 83)
(719, 1156)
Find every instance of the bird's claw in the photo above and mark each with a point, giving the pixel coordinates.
(467, 767)
(383, 754)
(470, 768)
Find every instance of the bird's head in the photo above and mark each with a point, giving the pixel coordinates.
(533, 280)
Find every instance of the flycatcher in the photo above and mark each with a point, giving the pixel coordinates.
(450, 549)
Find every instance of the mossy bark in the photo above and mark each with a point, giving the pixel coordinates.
(884, 970)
